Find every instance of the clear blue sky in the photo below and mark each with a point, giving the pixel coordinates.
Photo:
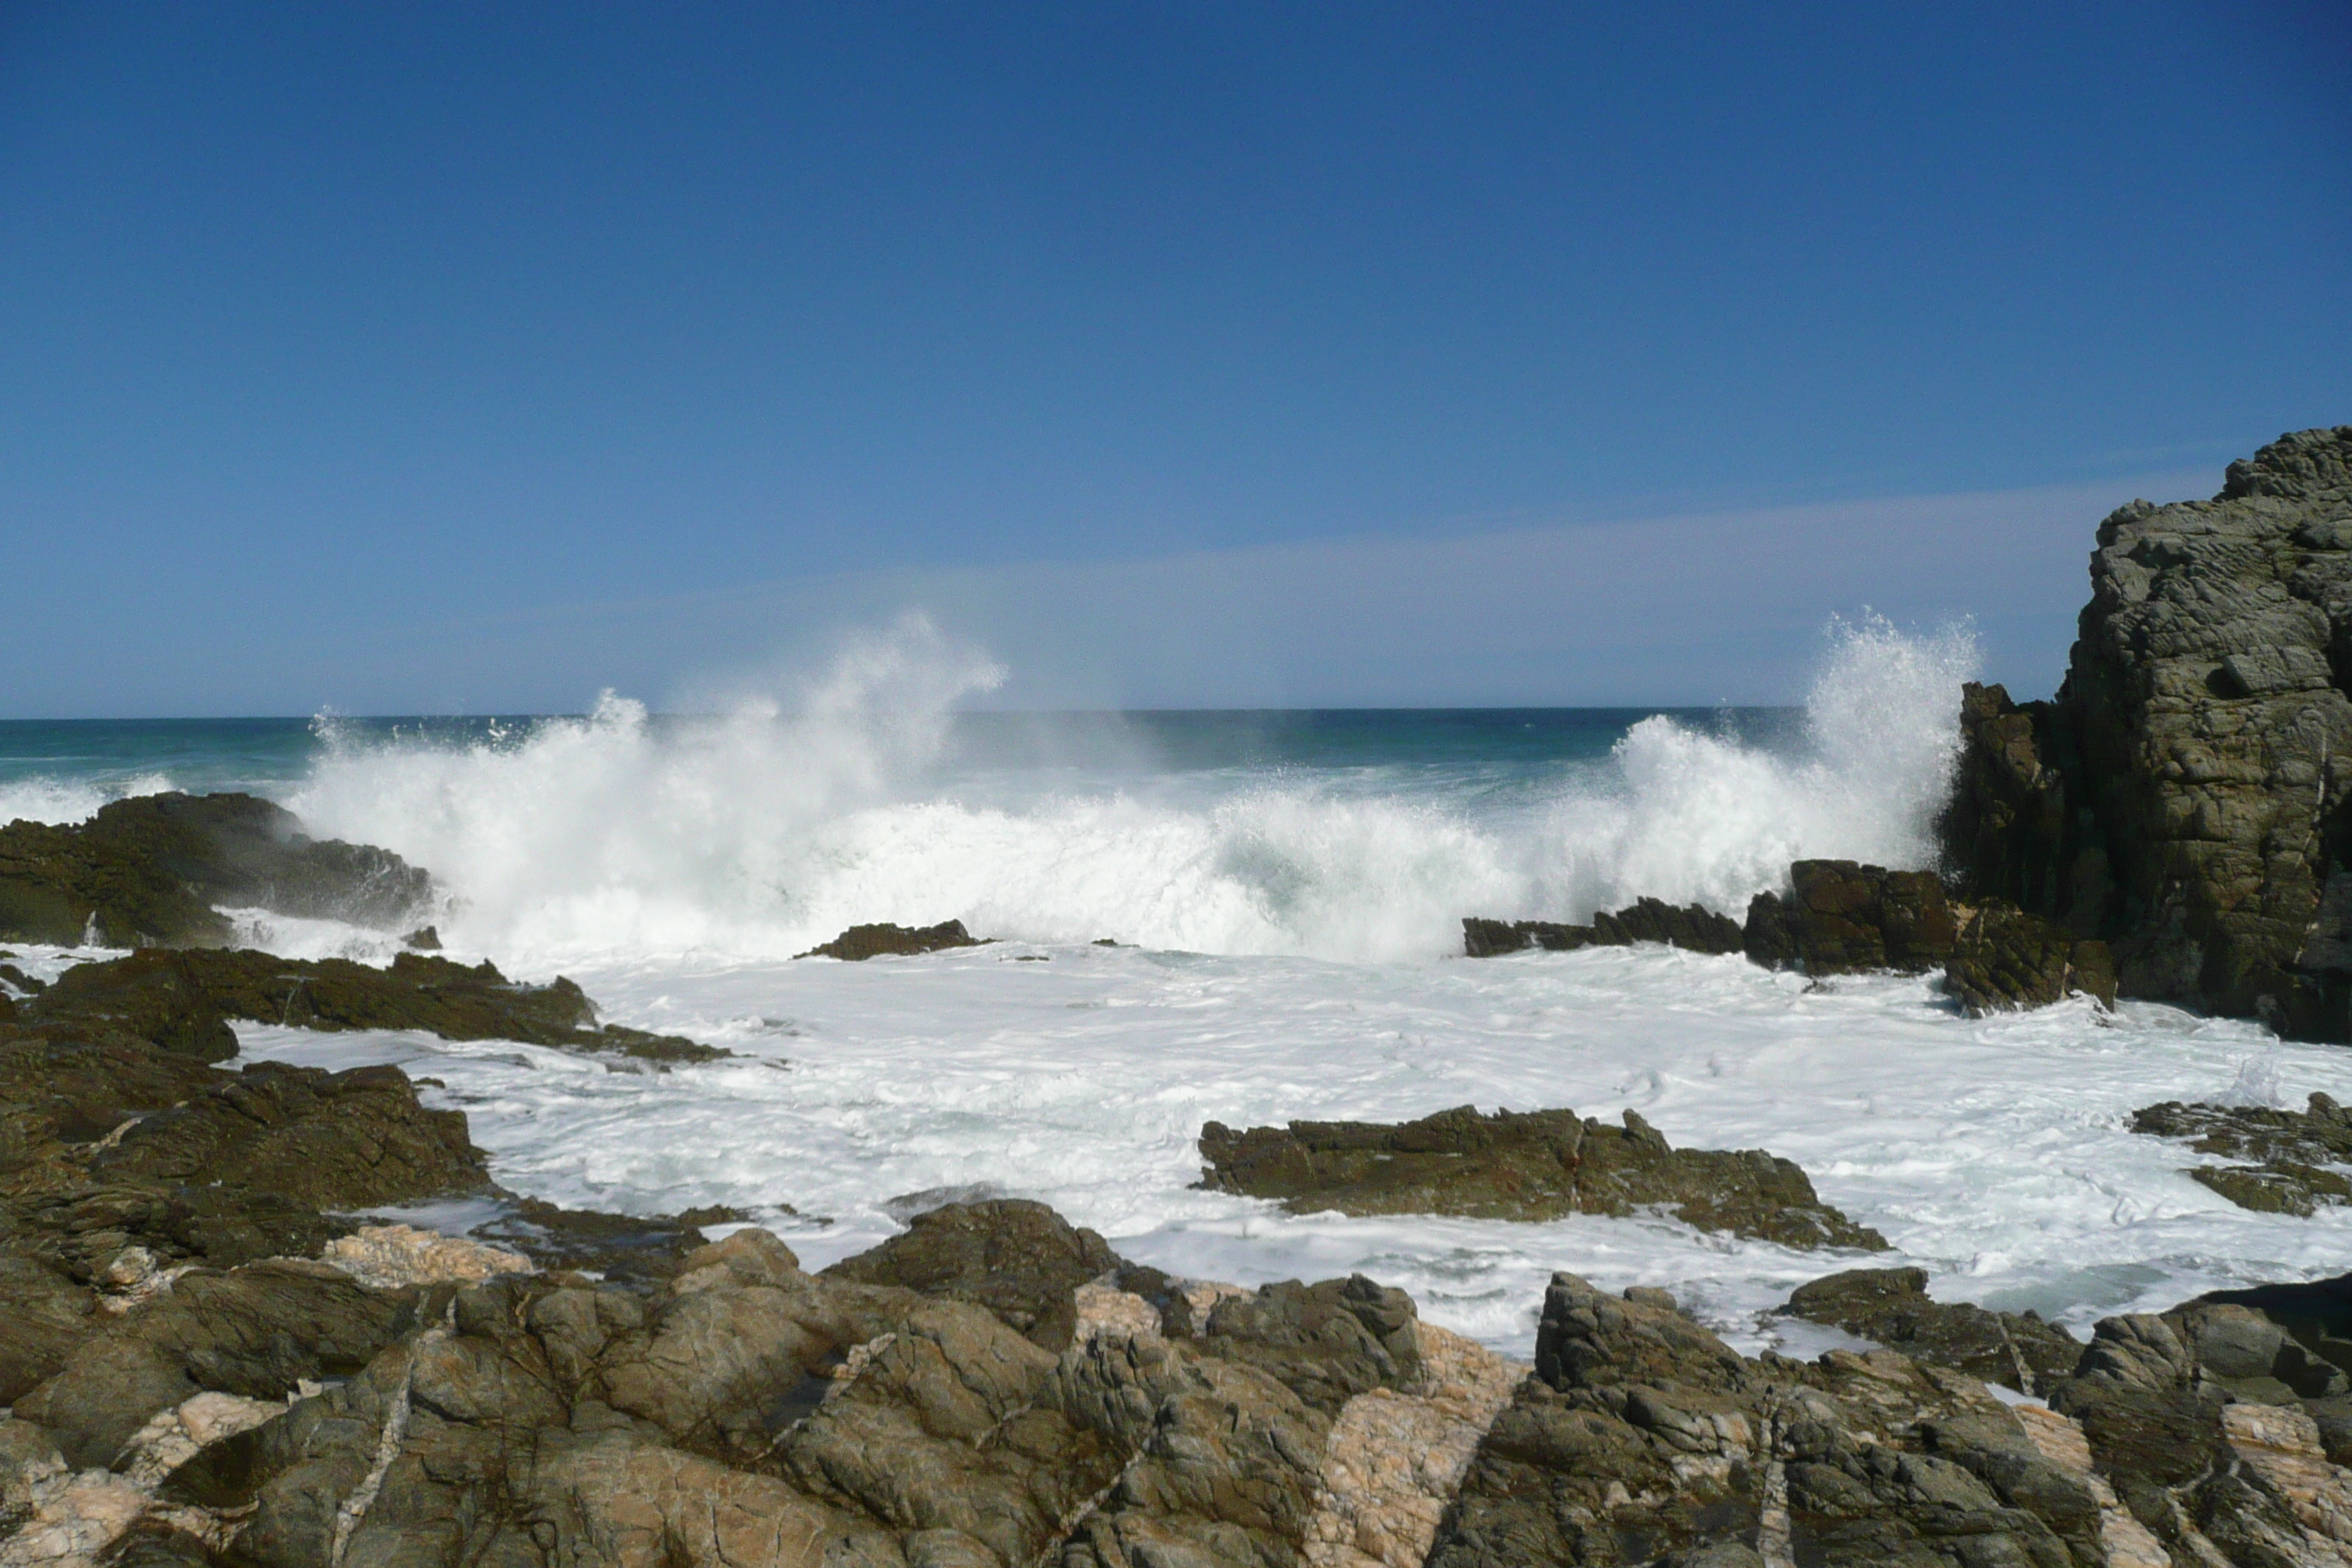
(332, 335)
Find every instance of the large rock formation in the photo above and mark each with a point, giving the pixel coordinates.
(2183, 796)
(1532, 1166)
(152, 870)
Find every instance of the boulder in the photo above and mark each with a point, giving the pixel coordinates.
(1842, 916)
(2007, 960)
(1533, 1165)
(1891, 1305)
(861, 943)
(154, 870)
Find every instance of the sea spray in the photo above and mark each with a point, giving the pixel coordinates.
(758, 833)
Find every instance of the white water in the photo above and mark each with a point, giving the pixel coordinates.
(764, 833)
(1294, 932)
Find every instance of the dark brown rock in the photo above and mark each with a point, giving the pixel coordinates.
(1017, 1258)
(861, 943)
(150, 870)
(1844, 917)
(1892, 1306)
(1535, 1165)
(2007, 960)
(180, 999)
(1695, 928)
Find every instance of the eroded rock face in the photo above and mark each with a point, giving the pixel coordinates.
(2178, 797)
(2288, 1154)
(149, 871)
(1842, 916)
(1892, 1307)
(2007, 960)
(1534, 1165)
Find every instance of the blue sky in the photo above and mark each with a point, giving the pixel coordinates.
(477, 357)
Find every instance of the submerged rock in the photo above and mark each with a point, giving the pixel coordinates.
(861, 943)
(1535, 1165)
(2007, 960)
(2296, 1160)
(151, 870)
(1891, 1305)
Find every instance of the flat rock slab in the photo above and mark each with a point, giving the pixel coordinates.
(1534, 1165)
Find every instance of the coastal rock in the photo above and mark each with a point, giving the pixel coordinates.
(180, 1000)
(2007, 960)
(2294, 1159)
(1694, 928)
(861, 943)
(1017, 1258)
(1642, 1439)
(1535, 1165)
(151, 870)
(635, 1251)
(394, 1257)
(2178, 799)
(1842, 916)
(1891, 1305)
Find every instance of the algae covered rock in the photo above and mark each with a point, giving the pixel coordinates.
(1534, 1165)
(152, 870)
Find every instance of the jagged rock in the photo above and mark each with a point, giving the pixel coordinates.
(2296, 1155)
(1326, 1342)
(1696, 928)
(2007, 960)
(1018, 1259)
(636, 1250)
(179, 1000)
(1892, 1306)
(1535, 1165)
(1842, 916)
(1642, 1439)
(861, 943)
(329, 1140)
(2177, 797)
(149, 871)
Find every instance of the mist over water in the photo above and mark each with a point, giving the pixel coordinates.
(762, 831)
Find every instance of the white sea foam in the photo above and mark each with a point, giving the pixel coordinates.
(761, 833)
(49, 798)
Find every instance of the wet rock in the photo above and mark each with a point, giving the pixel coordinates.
(1642, 1439)
(1891, 1305)
(1695, 928)
(1016, 1258)
(1535, 1165)
(1842, 916)
(180, 1000)
(861, 943)
(2007, 960)
(2295, 1158)
(151, 871)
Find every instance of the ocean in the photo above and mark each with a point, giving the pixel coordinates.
(1284, 890)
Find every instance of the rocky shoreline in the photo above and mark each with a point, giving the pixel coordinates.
(211, 1354)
